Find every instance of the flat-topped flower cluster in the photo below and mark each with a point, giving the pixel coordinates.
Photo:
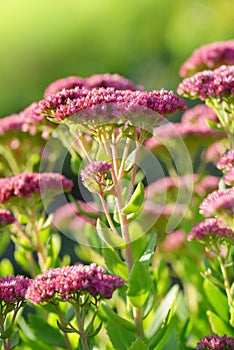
(70, 282)
(25, 184)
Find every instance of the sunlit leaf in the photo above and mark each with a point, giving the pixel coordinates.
(140, 284)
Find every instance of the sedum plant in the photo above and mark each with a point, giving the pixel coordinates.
(128, 191)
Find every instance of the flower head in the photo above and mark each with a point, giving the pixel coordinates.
(193, 123)
(226, 162)
(209, 57)
(218, 202)
(207, 184)
(25, 184)
(6, 217)
(94, 176)
(208, 227)
(215, 342)
(13, 288)
(208, 84)
(174, 240)
(71, 281)
(69, 216)
(229, 177)
(25, 122)
(90, 108)
(94, 81)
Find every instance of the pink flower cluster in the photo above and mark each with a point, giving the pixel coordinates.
(25, 121)
(218, 202)
(94, 175)
(97, 80)
(69, 102)
(25, 184)
(13, 288)
(216, 342)
(70, 217)
(193, 122)
(6, 217)
(209, 84)
(71, 281)
(211, 226)
(209, 57)
(226, 162)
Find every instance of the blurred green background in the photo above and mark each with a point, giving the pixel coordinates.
(144, 40)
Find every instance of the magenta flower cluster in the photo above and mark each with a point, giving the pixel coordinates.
(71, 281)
(69, 102)
(218, 202)
(211, 226)
(226, 162)
(209, 84)
(209, 57)
(216, 342)
(6, 217)
(25, 184)
(13, 288)
(97, 80)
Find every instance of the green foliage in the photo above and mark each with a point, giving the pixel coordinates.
(136, 200)
(120, 337)
(45, 332)
(108, 236)
(217, 299)
(114, 264)
(218, 325)
(139, 285)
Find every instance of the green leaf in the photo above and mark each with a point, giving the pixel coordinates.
(162, 313)
(64, 328)
(21, 258)
(130, 161)
(6, 267)
(101, 156)
(53, 251)
(150, 303)
(114, 317)
(134, 215)
(164, 331)
(7, 333)
(140, 284)
(23, 219)
(14, 340)
(107, 236)
(46, 332)
(138, 345)
(217, 299)
(172, 341)
(148, 254)
(114, 264)
(96, 331)
(218, 325)
(4, 241)
(136, 200)
(214, 126)
(120, 338)
(75, 163)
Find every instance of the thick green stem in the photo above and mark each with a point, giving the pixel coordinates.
(228, 290)
(80, 321)
(8, 155)
(64, 322)
(137, 312)
(106, 211)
